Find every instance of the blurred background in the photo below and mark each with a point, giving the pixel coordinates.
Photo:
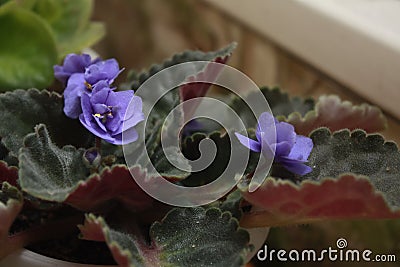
(143, 32)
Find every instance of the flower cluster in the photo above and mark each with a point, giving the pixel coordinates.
(291, 150)
(90, 97)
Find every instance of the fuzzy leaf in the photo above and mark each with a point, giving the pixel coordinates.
(335, 114)
(27, 51)
(8, 174)
(281, 202)
(60, 175)
(11, 202)
(46, 171)
(280, 103)
(368, 185)
(185, 237)
(136, 80)
(356, 152)
(22, 110)
(111, 184)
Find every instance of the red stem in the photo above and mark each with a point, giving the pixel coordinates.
(98, 144)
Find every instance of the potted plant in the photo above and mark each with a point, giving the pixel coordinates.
(87, 176)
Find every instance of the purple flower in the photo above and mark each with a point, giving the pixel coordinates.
(73, 63)
(106, 70)
(106, 114)
(84, 82)
(291, 150)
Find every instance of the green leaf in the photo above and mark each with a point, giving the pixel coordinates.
(11, 203)
(280, 103)
(46, 171)
(22, 110)
(70, 23)
(89, 36)
(358, 153)
(27, 49)
(185, 237)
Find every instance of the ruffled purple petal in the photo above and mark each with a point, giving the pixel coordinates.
(99, 123)
(87, 109)
(114, 124)
(73, 63)
(100, 109)
(266, 123)
(295, 166)
(128, 136)
(125, 97)
(130, 104)
(72, 96)
(104, 70)
(249, 143)
(285, 133)
(134, 120)
(302, 148)
(101, 96)
(282, 149)
(95, 129)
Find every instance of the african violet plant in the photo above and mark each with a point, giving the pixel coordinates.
(64, 174)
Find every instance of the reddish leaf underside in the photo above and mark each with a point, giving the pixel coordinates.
(335, 114)
(282, 202)
(199, 89)
(8, 174)
(112, 184)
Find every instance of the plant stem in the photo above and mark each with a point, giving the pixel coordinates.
(98, 144)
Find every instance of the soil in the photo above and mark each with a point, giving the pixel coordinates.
(73, 249)
(69, 248)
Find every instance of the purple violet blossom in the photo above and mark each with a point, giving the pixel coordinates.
(84, 82)
(73, 63)
(105, 113)
(291, 150)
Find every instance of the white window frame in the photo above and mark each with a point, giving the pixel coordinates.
(347, 42)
